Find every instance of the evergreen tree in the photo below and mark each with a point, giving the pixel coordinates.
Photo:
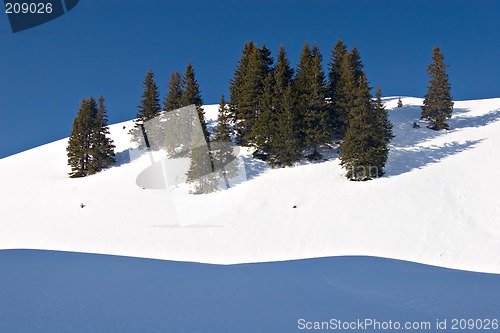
(173, 99)
(149, 107)
(192, 95)
(311, 92)
(223, 130)
(283, 75)
(334, 73)
(286, 146)
(400, 102)
(235, 85)
(89, 150)
(384, 126)
(343, 99)
(365, 148)
(79, 143)
(264, 128)
(247, 88)
(356, 63)
(222, 147)
(201, 168)
(102, 147)
(438, 105)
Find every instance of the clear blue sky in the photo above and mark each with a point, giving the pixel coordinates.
(106, 47)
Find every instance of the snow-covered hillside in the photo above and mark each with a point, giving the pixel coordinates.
(439, 203)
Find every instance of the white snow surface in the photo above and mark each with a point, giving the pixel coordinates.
(438, 204)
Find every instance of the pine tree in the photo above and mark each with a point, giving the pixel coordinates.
(201, 168)
(79, 144)
(343, 99)
(365, 148)
(283, 75)
(264, 128)
(149, 108)
(286, 147)
(222, 147)
(247, 88)
(311, 92)
(89, 149)
(384, 125)
(400, 102)
(356, 63)
(334, 72)
(235, 84)
(438, 105)
(223, 130)
(102, 147)
(173, 99)
(192, 95)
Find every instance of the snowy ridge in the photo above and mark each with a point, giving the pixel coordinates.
(437, 205)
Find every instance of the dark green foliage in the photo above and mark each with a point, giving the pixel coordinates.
(102, 148)
(247, 89)
(223, 130)
(356, 64)
(334, 73)
(400, 102)
(222, 147)
(344, 94)
(89, 150)
(283, 74)
(311, 92)
(265, 125)
(365, 148)
(286, 145)
(201, 168)
(149, 107)
(438, 105)
(173, 100)
(192, 95)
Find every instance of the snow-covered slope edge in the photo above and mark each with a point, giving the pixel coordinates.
(438, 204)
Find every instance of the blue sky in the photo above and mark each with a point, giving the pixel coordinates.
(106, 47)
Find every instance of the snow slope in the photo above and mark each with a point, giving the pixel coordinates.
(45, 291)
(439, 203)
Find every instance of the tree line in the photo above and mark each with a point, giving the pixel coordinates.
(285, 114)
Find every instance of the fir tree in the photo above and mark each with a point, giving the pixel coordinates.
(79, 143)
(286, 146)
(192, 95)
(102, 147)
(173, 99)
(400, 102)
(356, 63)
(264, 128)
(283, 75)
(235, 85)
(222, 147)
(89, 149)
(201, 168)
(311, 92)
(247, 88)
(384, 126)
(343, 99)
(365, 148)
(223, 130)
(149, 108)
(438, 105)
(334, 73)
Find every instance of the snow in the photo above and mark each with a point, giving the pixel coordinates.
(438, 205)
(45, 291)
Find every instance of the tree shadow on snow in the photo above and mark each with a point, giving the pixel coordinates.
(407, 136)
(401, 161)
